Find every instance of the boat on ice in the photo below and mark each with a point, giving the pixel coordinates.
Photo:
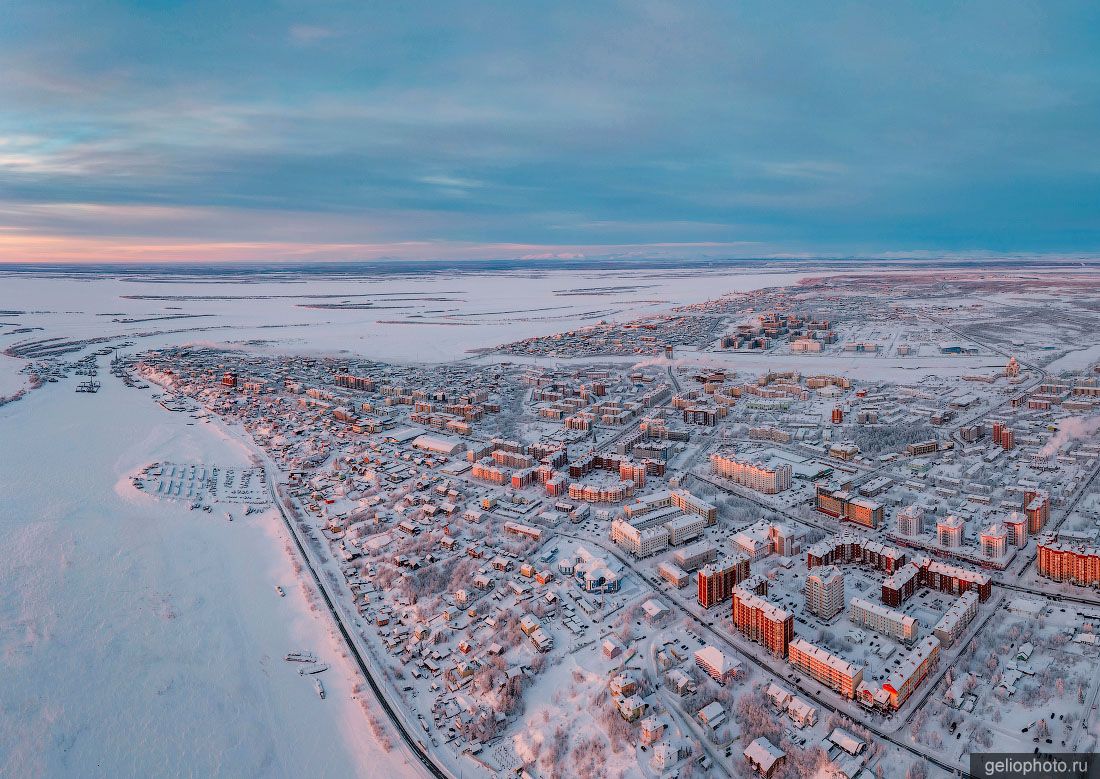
(280, 590)
(301, 657)
(316, 668)
(320, 688)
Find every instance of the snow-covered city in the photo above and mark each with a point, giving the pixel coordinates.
(816, 525)
(667, 389)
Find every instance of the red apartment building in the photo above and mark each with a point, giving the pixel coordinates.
(1065, 560)
(762, 622)
(1037, 508)
(716, 581)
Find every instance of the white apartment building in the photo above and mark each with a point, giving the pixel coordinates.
(684, 528)
(994, 541)
(694, 555)
(640, 542)
(954, 621)
(911, 521)
(949, 531)
(755, 541)
(883, 619)
(758, 476)
(825, 592)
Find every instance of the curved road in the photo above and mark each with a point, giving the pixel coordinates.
(413, 743)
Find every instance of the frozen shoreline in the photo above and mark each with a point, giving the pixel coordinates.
(146, 639)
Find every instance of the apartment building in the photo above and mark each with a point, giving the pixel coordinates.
(768, 479)
(900, 586)
(524, 531)
(1016, 523)
(684, 528)
(717, 664)
(825, 592)
(763, 622)
(1065, 559)
(831, 670)
(922, 448)
(944, 577)
(364, 383)
(949, 532)
(673, 574)
(716, 581)
(681, 499)
(639, 541)
(842, 505)
(851, 548)
(1037, 509)
(994, 541)
(912, 670)
(954, 621)
(685, 501)
(694, 555)
(910, 521)
(881, 619)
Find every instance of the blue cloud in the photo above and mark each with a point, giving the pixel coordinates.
(820, 128)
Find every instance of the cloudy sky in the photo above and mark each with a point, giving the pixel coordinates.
(366, 130)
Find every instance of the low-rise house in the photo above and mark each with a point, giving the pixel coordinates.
(847, 741)
(529, 623)
(652, 729)
(542, 640)
(764, 757)
(631, 708)
(802, 713)
(779, 697)
(713, 715)
(680, 682)
(622, 685)
(654, 609)
(666, 754)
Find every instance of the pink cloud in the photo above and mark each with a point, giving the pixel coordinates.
(21, 246)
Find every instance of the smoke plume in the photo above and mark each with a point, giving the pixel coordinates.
(1069, 430)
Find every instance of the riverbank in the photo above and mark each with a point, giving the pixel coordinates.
(139, 638)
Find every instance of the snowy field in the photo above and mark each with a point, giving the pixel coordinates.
(1076, 359)
(422, 318)
(11, 380)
